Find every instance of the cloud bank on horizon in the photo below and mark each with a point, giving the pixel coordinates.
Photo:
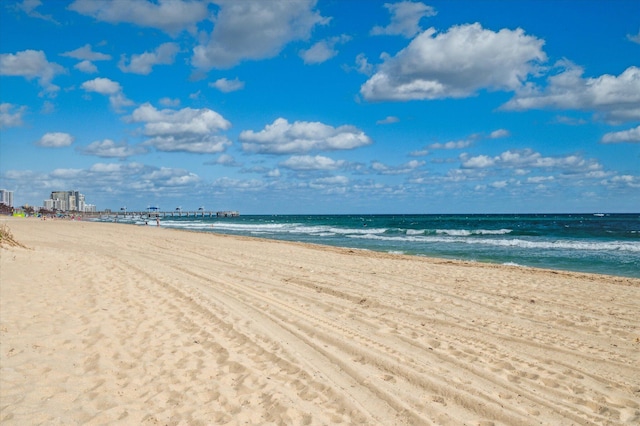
(309, 106)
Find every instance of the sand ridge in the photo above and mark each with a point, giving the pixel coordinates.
(120, 324)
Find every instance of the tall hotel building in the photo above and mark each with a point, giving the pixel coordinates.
(6, 197)
(67, 201)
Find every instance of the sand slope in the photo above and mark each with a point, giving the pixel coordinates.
(118, 324)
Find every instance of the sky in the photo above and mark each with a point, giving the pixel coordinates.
(323, 107)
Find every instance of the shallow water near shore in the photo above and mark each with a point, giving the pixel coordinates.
(597, 243)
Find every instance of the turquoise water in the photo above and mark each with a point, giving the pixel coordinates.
(605, 244)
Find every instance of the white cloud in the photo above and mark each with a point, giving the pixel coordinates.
(388, 120)
(86, 53)
(282, 137)
(67, 173)
(623, 181)
(55, 140)
(104, 86)
(331, 181)
(362, 65)
(11, 115)
(500, 133)
(477, 162)
(87, 67)
(227, 86)
(405, 18)
(109, 149)
(31, 64)
(527, 158)
(255, 29)
(615, 98)
(570, 121)
(110, 88)
(186, 130)
(540, 179)
(323, 50)
(634, 38)
(275, 173)
(499, 184)
(168, 102)
(631, 135)
(384, 169)
(452, 144)
(226, 160)
(143, 63)
(456, 64)
(170, 16)
(307, 163)
(29, 7)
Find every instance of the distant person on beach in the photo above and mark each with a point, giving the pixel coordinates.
(158, 221)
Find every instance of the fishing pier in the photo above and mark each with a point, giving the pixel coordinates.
(176, 213)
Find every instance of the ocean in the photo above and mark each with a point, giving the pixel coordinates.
(598, 243)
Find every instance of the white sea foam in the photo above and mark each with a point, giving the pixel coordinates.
(467, 232)
(515, 242)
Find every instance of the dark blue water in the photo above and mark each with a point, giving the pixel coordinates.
(605, 244)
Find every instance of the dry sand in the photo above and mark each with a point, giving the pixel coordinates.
(119, 324)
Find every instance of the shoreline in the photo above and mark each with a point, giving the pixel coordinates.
(107, 324)
(399, 253)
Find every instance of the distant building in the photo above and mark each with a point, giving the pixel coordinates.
(72, 201)
(6, 197)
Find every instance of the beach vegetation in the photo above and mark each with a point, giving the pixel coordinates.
(6, 237)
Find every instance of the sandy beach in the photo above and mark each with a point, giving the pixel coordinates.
(104, 323)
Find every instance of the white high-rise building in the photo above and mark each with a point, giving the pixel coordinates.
(6, 197)
(66, 201)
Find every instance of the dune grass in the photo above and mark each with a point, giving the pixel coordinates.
(6, 237)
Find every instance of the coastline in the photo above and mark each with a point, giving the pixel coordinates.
(109, 323)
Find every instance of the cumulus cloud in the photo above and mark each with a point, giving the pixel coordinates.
(452, 144)
(500, 133)
(308, 163)
(226, 86)
(11, 115)
(86, 56)
(528, 158)
(456, 64)
(384, 169)
(225, 160)
(87, 67)
(255, 29)
(173, 177)
(186, 130)
(170, 16)
(110, 88)
(614, 98)
(634, 38)
(86, 53)
(55, 140)
(388, 120)
(330, 181)
(624, 181)
(362, 65)
(323, 50)
(405, 18)
(109, 149)
(631, 135)
(143, 63)
(29, 7)
(169, 102)
(282, 137)
(31, 64)
(463, 143)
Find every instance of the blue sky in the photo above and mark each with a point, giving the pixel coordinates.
(298, 106)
